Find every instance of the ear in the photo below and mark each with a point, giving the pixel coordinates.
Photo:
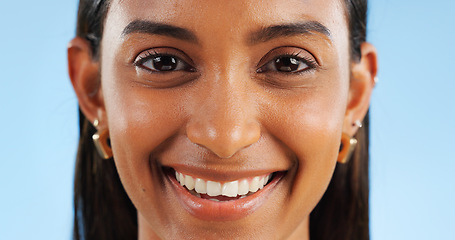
(85, 78)
(362, 82)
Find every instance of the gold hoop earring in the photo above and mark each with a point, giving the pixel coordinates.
(346, 148)
(102, 142)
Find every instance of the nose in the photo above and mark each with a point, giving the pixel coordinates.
(225, 120)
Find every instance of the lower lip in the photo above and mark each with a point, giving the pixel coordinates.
(209, 210)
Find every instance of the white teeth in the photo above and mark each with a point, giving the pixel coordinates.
(213, 188)
(254, 184)
(244, 187)
(229, 189)
(189, 182)
(182, 179)
(200, 186)
(261, 183)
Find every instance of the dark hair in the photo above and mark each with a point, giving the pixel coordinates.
(103, 210)
(343, 211)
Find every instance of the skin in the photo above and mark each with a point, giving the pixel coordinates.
(225, 116)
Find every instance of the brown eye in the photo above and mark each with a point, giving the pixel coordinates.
(288, 64)
(162, 63)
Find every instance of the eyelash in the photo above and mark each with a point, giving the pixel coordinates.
(309, 62)
(150, 55)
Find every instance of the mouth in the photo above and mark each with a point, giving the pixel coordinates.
(212, 200)
(218, 191)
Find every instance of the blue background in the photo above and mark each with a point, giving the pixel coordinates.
(412, 135)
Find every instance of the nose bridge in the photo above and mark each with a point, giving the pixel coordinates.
(225, 121)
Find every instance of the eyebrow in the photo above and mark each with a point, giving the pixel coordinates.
(286, 30)
(262, 35)
(154, 28)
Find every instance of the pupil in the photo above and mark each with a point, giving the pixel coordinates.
(286, 64)
(164, 63)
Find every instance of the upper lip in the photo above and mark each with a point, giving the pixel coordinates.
(256, 160)
(224, 170)
(221, 175)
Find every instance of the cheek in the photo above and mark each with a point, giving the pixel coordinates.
(140, 118)
(139, 122)
(309, 123)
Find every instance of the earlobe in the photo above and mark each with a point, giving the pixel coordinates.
(84, 74)
(363, 74)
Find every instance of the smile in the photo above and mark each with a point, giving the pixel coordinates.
(218, 191)
(212, 200)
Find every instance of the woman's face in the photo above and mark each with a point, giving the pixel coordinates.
(225, 91)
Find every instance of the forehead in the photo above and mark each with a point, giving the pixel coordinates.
(228, 16)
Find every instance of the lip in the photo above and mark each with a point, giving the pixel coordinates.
(232, 210)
